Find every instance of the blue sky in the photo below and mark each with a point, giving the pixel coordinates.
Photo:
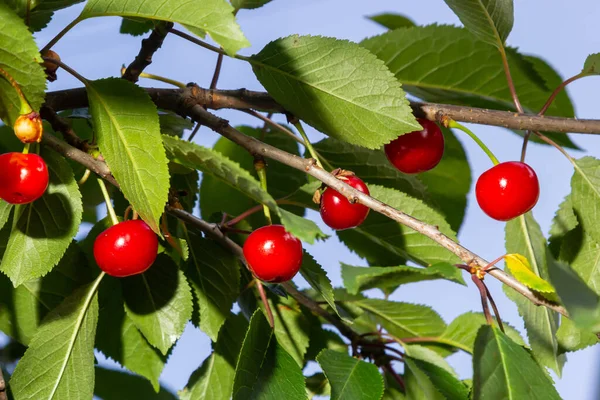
(560, 34)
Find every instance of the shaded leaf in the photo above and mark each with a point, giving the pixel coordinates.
(490, 20)
(214, 379)
(119, 385)
(349, 377)
(357, 279)
(317, 278)
(215, 278)
(318, 79)
(303, 228)
(136, 26)
(523, 236)
(126, 122)
(214, 17)
(19, 57)
(45, 228)
(571, 338)
(159, 302)
(292, 328)
(264, 369)
(505, 370)
(317, 385)
(249, 4)
(59, 362)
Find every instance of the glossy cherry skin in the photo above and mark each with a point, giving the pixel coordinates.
(23, 177)
(273, 254)
(417, 151)
(337, 211)
(126, 249)
(507, 190)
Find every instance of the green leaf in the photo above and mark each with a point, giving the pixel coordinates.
(384, 242)
(563, 222)
(585, 194)
(249, 4)
(318, 79)
(264, 369)
(59, 363)
(214, 17)
(119, 385)
(449, 183)
(432, 375)
(320, 339)
(126, 122)
(349, 377)
(505, 370)
(461, 332)
(489, 20)
(19, 57)
(592, 64)
(571, 338)
(317, 278)
(404, 319)
(119, 339)
(303, 228)
(579, 299)
(520, 269)
(173, 124)
(413, 55)
(392, 21)
(136, 26)
(215, 278)
(5, 209)
(317, 385)
(214, 379)
(357, 279)
(292, 327)
(159, 302)
(44, 229)
(523, 236)
(35, 298)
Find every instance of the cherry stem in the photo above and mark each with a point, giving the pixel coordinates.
(85, 177)
(490, 265)
(263, 297)
(166, 234)
(25, 107)
(215, 78)
(558, 89)
(484, 303)
(307, 143)
(60, 34)
(107, 199)
(388, 368)
(558, 147)
(255, 209)
(157, 78)
(524, 147)
(493, 303)
(68, 69)
(261, 170)
(26, 148)
(196, 129)
(453, 124)
(509, 80)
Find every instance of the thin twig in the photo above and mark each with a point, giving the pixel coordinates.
(484, 302)
(60, 124)
(194, 132)
(558, 89)
(388, 368)
(215, 78)
(265, 301)
(509, 80)
(493, 303)
(149, 46)
(197, 41)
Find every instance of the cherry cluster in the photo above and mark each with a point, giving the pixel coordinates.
(505, 191)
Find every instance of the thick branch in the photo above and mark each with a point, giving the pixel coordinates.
(149, 47)
(245, 99)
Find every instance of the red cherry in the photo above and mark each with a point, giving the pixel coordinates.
(507, 190)
(273, 254)
(125, 249)
(337, 212)
(417, 151)
(24, 177)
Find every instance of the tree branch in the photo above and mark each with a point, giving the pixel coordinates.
(243, 99)
(149, 47)
(179, 101)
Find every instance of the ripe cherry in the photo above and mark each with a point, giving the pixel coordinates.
(417, 151)
(28, 128)
(337, 211)
(125, 249)
(507, 190)
(273, 254)
(24, 177)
